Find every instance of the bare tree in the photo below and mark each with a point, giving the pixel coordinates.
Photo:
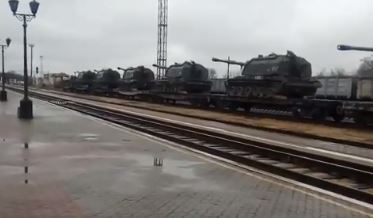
(212, 73)
(322, 73)
(332, 72)
(338, 72)
(366, 67)
(232, 74)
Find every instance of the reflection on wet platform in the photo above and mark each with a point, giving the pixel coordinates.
(26, 156)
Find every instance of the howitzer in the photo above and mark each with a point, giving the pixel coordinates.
(125, 70)
(229, 61)
(160, 67)
(355, 48)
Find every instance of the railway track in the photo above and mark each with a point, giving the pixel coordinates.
(265, 112)
(339, 176)
(285, 115)
(257, 112)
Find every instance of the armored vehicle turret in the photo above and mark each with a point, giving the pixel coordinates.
(274, 75)
(139, 78)
(188, 77)
(83, 82)
(107, 80)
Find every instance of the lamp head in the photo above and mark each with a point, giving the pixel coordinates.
(13, 4)
(8, 41)
(34, 6)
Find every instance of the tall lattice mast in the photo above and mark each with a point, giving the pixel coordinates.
(162, 38)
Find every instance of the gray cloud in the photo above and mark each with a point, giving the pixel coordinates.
(89, 34)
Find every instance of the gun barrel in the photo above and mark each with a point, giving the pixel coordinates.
(228, 61)
(157, 66)
(356, 48)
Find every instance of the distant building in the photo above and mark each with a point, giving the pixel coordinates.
(54, 80)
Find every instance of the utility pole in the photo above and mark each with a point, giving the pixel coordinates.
(32, 58)
(41, 67)
(162, 38)
(3, 93)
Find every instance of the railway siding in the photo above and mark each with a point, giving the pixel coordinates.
(357, 137)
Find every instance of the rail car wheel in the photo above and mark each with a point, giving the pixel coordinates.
(318, 114)
(194, 102)
(218, 104)
(247, 107)
(158, 100)
(204, 103)
(338, 114)
(359, 119)
(233, 106)
(297, 112)
(199, 102)
(338, 117)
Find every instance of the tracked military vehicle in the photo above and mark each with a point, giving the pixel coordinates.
(106, 82)
(188, 77)
(84, 82)
(139, 78)
(274, 76)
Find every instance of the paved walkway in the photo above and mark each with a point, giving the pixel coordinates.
(76, 166)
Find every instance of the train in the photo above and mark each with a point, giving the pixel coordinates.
(346, 88)
(349, 88)
(278, 82)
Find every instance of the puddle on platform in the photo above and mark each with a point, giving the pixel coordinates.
(88, 136)
(26, 162)
(158, 162)
(37, 145)
(180, 168)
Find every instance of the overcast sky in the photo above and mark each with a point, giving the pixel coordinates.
(75, 35)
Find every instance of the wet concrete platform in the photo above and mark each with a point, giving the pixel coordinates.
(77, 166)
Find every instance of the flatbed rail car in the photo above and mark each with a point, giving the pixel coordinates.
(360, 111)
(318, 109)
(197, 99)
(314, 108)
(308, 107)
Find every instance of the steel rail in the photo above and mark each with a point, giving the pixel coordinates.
(276, 115)
(340, 176)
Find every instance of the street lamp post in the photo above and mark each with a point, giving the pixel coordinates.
(25, 108)
(3, 94)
